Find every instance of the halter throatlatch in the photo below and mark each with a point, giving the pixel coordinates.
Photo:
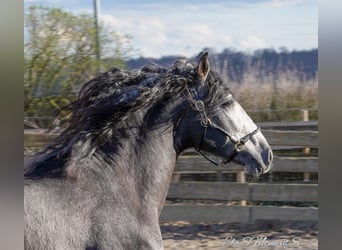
(206, 123)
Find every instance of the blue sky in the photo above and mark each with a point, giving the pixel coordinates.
(160, 28)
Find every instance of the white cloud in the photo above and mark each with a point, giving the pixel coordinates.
(148, 53)
(112, 21)
(149, 33)
(195, 33)
(252, 42)
(164, 29)
(148, 29)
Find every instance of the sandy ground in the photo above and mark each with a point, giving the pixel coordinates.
(259, 235)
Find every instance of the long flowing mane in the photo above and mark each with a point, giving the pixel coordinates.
(110, 104)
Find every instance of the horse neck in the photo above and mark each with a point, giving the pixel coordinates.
(144, 166)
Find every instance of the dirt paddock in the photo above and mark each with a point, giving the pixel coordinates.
(259, 235)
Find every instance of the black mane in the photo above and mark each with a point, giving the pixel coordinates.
(112, 101)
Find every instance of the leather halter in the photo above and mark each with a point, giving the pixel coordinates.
(206, 124)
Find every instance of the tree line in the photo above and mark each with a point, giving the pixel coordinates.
(266, 64)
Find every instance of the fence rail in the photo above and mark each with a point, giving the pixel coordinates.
(228, 214)
(228, 191)
(291, 138)
(193, 163)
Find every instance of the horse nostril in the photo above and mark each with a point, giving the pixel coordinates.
(270, 156)
(267, 156)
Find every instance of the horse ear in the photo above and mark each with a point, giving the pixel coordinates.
(203, 66)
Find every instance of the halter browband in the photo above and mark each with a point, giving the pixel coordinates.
(206, 123)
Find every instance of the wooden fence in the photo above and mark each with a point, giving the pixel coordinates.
(282, 136)
(301, 136)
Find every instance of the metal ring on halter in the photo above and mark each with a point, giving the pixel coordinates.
(199, 105)
(239, 145)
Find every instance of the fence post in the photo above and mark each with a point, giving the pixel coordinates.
(241, 178)
(305, 113)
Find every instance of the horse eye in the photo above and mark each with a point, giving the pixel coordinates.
(228, 102)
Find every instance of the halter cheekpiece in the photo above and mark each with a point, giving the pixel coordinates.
(206, 123)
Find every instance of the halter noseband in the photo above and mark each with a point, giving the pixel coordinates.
(206, 123)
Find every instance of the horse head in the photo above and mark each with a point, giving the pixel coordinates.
(215, 122)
